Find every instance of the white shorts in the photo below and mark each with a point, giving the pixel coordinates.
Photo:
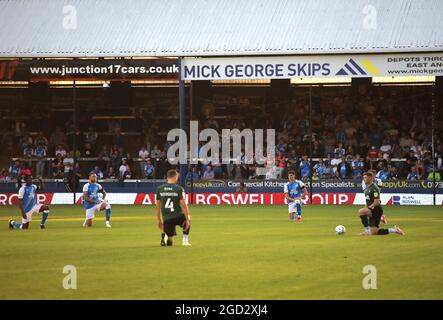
(35, 209)
(90, 213)
(292, 206)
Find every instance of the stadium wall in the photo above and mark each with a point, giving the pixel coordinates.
(218, 192)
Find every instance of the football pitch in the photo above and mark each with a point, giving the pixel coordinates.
(238, 252)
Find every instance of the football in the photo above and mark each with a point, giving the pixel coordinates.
(340, 230)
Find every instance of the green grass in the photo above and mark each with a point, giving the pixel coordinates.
(238, 252)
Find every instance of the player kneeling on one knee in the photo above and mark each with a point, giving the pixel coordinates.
(371, 214)
(172, 210)
(93, 202)
(294, 190)
(27, 196)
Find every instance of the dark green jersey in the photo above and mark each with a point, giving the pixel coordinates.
(372, 192)
(170, 196)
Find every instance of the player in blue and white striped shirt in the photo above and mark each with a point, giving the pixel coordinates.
(294, 190)
(28, 205)
(94, 202)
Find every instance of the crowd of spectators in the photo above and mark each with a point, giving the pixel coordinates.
(349, 133)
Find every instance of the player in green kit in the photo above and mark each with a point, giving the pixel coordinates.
(172, 210)
(371, 214)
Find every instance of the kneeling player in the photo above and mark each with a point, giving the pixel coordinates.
(379, 183)
(294, 190)
(170, 201)
(93, 202)
(371, 214)
(27, 196)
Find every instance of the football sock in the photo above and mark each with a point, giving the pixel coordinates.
(45, 214)
(364, 221)
(382, 231)
(185, 237)
(108, 212)
(16, 225)
(298, 205)
(392, 230)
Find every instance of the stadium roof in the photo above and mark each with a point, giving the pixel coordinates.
(114, 28)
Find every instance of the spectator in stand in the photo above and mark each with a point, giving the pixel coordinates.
(91, 136)
(242, 188)
(74, 153)
(385, 149)
(59, 150)
(128, 173)
(79, 138)
(238, 172)
(373, 153)
(105, 152)
(405, 142)
(77, 175)
(156, 152)
(115, 160)
(124, 170)
(421, 169)
(364, 144)
(4, 176)
(40, 154)
(342, 169)
(28, 153)
(357, 167)
(58, 138)
(335, 163)
(383, 174)
(143, 154)
(68, 166)
(375, 136)
(98, 172)
(305, 168)
(282, 146)
(394, 173)
(414, 175)
(439, 162)
(110, 174)
(329, 142)
(279, 164)
(340, 150)
(129, 160)
(57, 167)
(208, 174)
(26, 142)
(40, 139)
(101, 163)
(88, 150)
(434, 175)
(14, 170)
(217, 169)
(396, 152)
(117, 136)
(147, 141)
(149, 169)
(320, 168)
(315, 176)
(25, 171)
(192, 174)
(340, 135)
